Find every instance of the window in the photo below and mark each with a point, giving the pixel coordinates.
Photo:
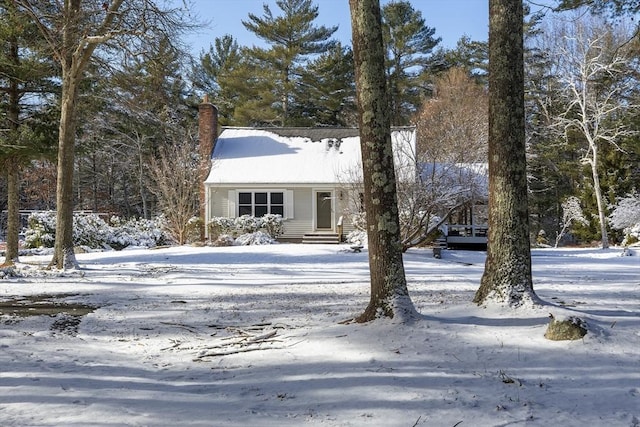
(260, 203)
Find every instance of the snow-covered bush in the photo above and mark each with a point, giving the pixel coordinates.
(138, 232)
(357, 237)
(256, 238)
(359, 221)
(220, 225)
(193, 229)
(91, 231)
(41, 230)
(626, 216)
(223, 240)
(273, 225)
(248, 224)
(269, 224)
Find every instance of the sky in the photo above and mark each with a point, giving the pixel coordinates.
(451, 18)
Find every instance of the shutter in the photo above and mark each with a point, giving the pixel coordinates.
(288, 204)
(231, 202)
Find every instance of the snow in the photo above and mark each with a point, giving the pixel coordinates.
(255, 335)
(254, 156)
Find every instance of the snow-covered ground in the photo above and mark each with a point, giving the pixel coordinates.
(239, 336)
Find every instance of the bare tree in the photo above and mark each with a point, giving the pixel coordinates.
(593, 68)
(453, 126)
(176, 178)
(507, 276)
(571, 213)
(389, 294)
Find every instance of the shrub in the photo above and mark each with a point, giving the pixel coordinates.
(91, 231)
(270, 224)
(273, 225)
(41, 230)
(193, 230)
(219, 226)
(256, 238)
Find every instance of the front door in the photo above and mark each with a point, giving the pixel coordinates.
(324, 210)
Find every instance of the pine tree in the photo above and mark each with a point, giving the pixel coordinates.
(23, 72)
(327, 91)
(293, 38)
(409, 42)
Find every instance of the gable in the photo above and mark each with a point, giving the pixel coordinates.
(293, 155)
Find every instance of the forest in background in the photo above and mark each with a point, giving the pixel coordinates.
(138, 106)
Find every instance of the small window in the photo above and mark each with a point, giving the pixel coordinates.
(245, 205)
(261, 198)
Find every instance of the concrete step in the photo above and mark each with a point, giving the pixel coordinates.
(321, 238)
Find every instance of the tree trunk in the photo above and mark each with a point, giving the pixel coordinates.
(13, 211)
(63, 253)
(74, 56)
(12, 163)
(507, 276)
(593, 162)
(389, 294)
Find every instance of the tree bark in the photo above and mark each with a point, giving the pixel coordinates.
(12, 163)
(507, 276)
(389, 294)
(593, 162)
(63, 251)
(13, 211)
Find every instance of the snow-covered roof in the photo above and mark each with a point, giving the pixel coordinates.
(293, 155)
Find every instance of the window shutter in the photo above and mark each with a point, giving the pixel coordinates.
(231, 201)
(288, 204)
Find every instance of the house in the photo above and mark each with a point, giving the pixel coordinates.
(307, 175)
(464, 186)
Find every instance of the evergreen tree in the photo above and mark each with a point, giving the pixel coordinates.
(327, 90)
(616, 7)
(293, 38)
(409, 42)
(25, 75)
(216, 72)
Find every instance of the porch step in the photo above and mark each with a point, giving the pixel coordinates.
(321, 238)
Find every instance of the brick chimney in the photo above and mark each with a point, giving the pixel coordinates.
(207, 136)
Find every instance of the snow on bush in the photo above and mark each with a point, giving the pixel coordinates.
(41, 230)
(626, 216)
(246, 229)
(138, 232)
(91, 231)
(256, 238)
(357, 237)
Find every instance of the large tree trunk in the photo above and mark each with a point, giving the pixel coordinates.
(507, 276)
(73, 62)
(63, 254)
(389, 294)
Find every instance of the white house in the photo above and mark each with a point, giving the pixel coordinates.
(303, 174)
